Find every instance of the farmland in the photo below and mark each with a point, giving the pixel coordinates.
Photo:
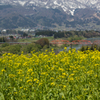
(49, 76)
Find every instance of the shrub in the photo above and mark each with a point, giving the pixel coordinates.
(45, 47)
(92, 47)
(30, 47)
(83, 48)
(87, 48)
(6, 49)
(5, 44)
(15, 49)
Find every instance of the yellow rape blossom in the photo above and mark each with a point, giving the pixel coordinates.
(11, 75)
(3, 70)
(66, 75)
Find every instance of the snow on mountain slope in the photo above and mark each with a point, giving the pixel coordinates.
(68, 6)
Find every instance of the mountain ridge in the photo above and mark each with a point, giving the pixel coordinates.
(30, 13)
(68, 6)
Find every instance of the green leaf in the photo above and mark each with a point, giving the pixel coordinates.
(32, 96)
(62, 95)
(1, 96)
(44, 97)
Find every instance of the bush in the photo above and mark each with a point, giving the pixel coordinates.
(15, 49)
(42, 42)
(5, 44)
(45, 47)
(92, 47)
(6, 49)
(30, 47)
(87, 48)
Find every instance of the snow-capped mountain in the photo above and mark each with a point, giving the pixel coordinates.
(68, 6)
(52, 13)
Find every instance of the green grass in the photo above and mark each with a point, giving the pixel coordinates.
(34, 39)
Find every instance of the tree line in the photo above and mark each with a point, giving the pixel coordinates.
(86, 34)
(72, 35)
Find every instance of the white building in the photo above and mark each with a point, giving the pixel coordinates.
(4, 30)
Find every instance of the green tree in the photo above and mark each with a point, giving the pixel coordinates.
(42, 42)
(24, 34)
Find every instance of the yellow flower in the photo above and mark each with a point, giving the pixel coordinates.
(63, 73)
(32, 73)
(11, 75)
(61, 69)
(64, 86)
(3, 70)
(29, 80)
(21, 87)
(85, 89)
(65, 48)
(53, 83)
(40, 84)
(51, 78)
(95, 75)
(36, 80)
(15, 93)
(71, 79)
(90, 72)
(30, 70)
(43, 73)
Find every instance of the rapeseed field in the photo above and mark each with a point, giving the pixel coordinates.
(68, 75)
